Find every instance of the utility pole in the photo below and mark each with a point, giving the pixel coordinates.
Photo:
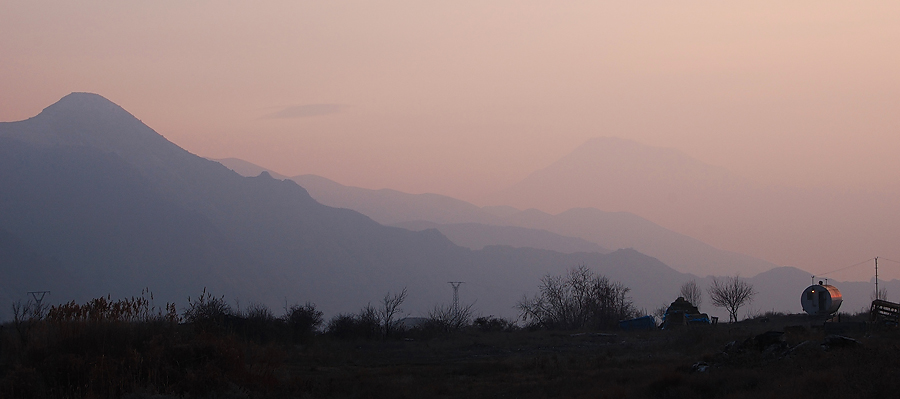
(877, 294)
(455, 285)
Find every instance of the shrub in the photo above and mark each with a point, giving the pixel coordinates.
(256, 323)
(449, 318)
(579, 300)
(365, 325)
(371, 322)
(303, 321)
(207, 312)
(258, 312)
(491, 323)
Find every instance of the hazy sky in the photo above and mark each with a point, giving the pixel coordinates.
(464, 97)
(461, 97)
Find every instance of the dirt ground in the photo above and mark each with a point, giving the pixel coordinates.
(779, 356)
(790, 355)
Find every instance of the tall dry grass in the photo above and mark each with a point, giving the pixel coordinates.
(126, 348)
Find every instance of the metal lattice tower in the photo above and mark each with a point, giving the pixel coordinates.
(455, 285)
(38, 300)
(38, 296)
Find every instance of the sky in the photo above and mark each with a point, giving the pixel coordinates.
(461, 98)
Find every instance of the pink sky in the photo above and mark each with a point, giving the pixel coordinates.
(463, 97)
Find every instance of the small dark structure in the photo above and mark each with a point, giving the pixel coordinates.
(682, 313)
(821, 299)
(640, 323)
(884, 312)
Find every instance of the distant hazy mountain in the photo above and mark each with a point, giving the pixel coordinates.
(478, 236)
(605, 229)
(388, 206)
(660, 184)
(245, 168)
(463, 223)
(89, 193)
(626, 230)
(814, 228)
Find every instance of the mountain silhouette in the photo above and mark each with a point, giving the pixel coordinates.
(627, 230)
(478, 236)
(465, 224)
(388, 206)
(245, 168)
(92, 192)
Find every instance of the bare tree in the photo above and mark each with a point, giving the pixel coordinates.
(26, 316)
(731, 293)
(23, 319)
(581, 299)
(389, 311)
(451, 318)
(692, 293)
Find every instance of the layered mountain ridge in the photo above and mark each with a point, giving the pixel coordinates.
(609, 230)
(778, 287)
(106, 199)
(94, 202)
(815, 228)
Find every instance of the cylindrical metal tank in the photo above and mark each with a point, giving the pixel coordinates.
(821, 299)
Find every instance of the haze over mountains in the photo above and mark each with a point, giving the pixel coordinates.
(610, 230)
(778, 287)
(96, 203)
(478, 236)
(813, 228)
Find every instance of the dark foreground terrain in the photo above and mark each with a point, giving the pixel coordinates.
(128, 350)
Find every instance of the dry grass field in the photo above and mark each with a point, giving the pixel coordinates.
(141, 354)
(714, 362)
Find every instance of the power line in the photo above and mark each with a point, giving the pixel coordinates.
(848, 267)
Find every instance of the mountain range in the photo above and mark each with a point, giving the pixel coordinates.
(573, 230)
(95, 203)
(608, 230)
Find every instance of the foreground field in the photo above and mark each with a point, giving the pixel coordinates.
(784, 356)
(709, 362)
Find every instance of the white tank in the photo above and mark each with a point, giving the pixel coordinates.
(821, 299)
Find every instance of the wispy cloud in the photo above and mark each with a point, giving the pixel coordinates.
(306, 111)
